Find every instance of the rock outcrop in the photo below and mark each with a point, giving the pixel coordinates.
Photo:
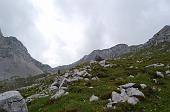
(15, 61)
(12, 101)
(128, 94)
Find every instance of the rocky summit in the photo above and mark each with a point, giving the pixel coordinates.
(15, 61)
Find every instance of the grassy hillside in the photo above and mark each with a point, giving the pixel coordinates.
(157, 95)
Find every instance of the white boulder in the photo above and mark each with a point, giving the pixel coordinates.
(133, 100)
(156, 65)
(102, 63)
(134, 92)
(12, 101)
(93, 98)
(160, 74)
(58, 94)
(143, 86)
(95, 78)
(86, 79)
(53, 89)
(128, 85)
(116, 97)
(167, 72)
(109, 105)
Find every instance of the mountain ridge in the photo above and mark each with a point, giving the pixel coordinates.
(120, 49)
(15, 61)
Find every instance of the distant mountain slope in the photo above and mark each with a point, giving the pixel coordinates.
(15, 61)
(162, 36)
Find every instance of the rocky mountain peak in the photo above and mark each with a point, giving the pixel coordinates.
(162, 36)
(15, 61)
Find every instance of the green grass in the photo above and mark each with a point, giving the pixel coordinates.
(110, 78)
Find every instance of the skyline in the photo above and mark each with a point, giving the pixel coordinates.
(67, 30)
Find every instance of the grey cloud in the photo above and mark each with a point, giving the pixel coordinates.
(130, 21)
(17, 19)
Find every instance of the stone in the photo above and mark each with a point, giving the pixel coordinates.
(143, 86)
(59, 82)
(66, 74)
(108, 66)
(58, 94)
(155, 81)
(109, 105)
(131, 76)
(131, 67)
(116, 97)
(91, 87)
(128, 85)
(86, 79)
(124, 95)
(167, 72)
(159, 74)
(12, 101)
(102, 63)
(66, 93)
(16, 61)
(134, 92)
(95, 78)
(74, 79)
(93, 62)
(79, 73)
(156, 65)
(53, 89)
(133, 100)
(93, 98)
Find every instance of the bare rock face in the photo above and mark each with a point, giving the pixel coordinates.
(162, 36)
(15, 61)
(12, 101)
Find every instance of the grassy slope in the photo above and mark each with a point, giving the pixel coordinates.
(110, 79)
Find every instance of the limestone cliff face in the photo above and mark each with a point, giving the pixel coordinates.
(162, 36)
(15, 61)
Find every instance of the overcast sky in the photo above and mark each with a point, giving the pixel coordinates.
(60, 32)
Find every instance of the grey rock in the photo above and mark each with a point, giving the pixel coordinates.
(86, 79)
(143, 86)
(95, 78)
(93, 98)
(12, 101)
(156, 65)
(53, 89)
(134, 92)
(116, 97)
(109, 105)
(167, 72)
(102, 63)
(162, 36)
(133, 100)
(128, 85)
(159, 74)
(58, 94)
(15, 61)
